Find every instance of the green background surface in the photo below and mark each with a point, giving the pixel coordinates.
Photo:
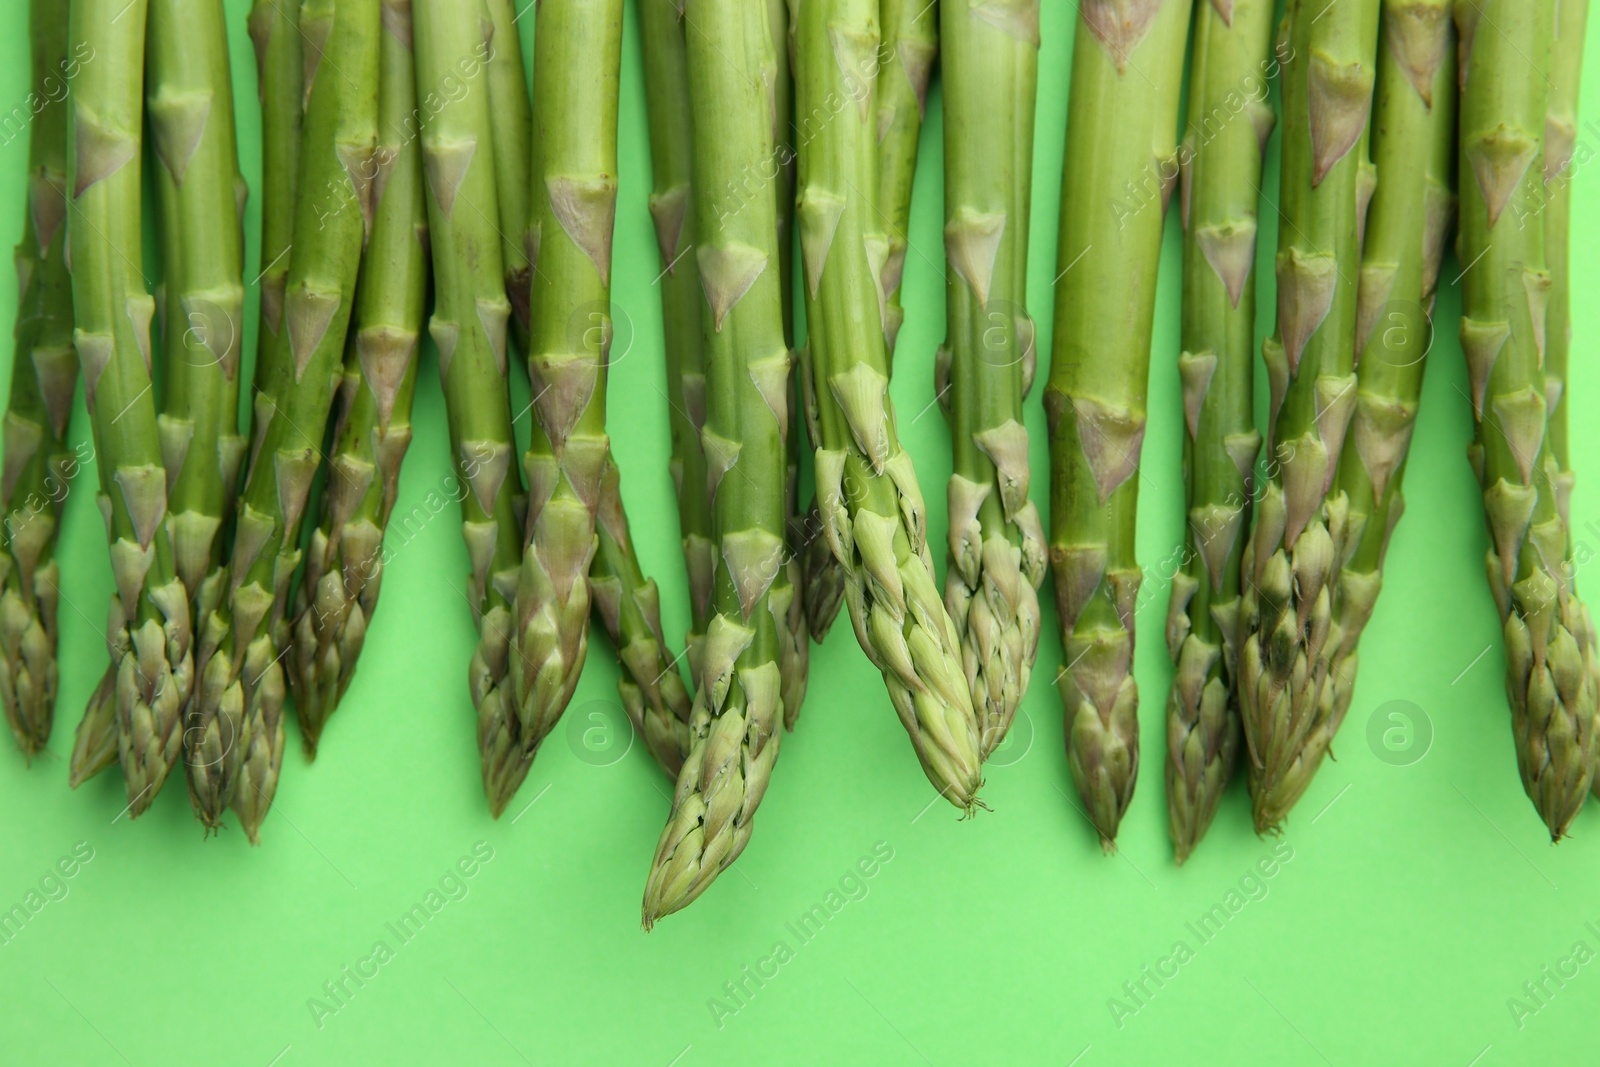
(1412, 895)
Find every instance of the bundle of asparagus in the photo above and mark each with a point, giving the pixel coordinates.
(1221, 175)
(1550, 644)
(1121, 130)
(44, 371)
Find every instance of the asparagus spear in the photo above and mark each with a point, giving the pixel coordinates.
(997, 546)
(94, 748)
(1221, 175)
(574, 207)
(788, 589)
(1121, 128)
(344, 565)
(336, 171)
(872, 510)
(469, 327)
(1561, 131)
(1292, 560)
(910, 30)
(44, 372)
(734, 730)
(511, 126)
(672, 209)
(1550, 669)
(148, 634)
(201, 198)
(281, 52)
(1409, 219)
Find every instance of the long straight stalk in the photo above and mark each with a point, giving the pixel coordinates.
(1222, 154)
(338, 151)
(872, 510)
(38, 464)
(1302, 518)
(469, 326)
(1561, 135)
(1411, 213)
(511, 125)
(344, 563)
(1122, 120)
(201, 198)
(998, 556)
(281, 51)
(1550, 656)
(735, 727)
(148, 633)
(910, 32)
(672, 208)
(573, 211)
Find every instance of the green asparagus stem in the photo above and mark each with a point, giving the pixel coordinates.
(872, 510)
(910, 32)
(331, 220)
(738, 709)
(573, 211)
(1550, 668)
(794, 632)
(511, 125)
(201, 198)
(281, 85)
(998, 556)
(1291, 563)
(1561, 133)
(672, 208)
(629, 605)
(44, 372)
(1221, 175)
(1121, 165)
(469, 327)
(148, 634)
(344, 565)
(1407, 225)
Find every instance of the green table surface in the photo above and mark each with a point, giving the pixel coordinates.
(1399, 920)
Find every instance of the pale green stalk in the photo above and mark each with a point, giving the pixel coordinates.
(511, 126)
(910, 43)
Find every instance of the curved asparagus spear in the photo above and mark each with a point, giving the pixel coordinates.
(873, 513)
(1121, 127)
(672, 208)
(511, 126)
(336, 171)
(44, 372)
(910, 31)
(997, 547)
(344, 565)
(1222, 160)
(738, 709)
(469, 326)
(574, 207)
(281, 74)
(1409, 219)
(653, 694)
(1292, 560)
(148, 634)
(1550, 669)
(201, 196)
